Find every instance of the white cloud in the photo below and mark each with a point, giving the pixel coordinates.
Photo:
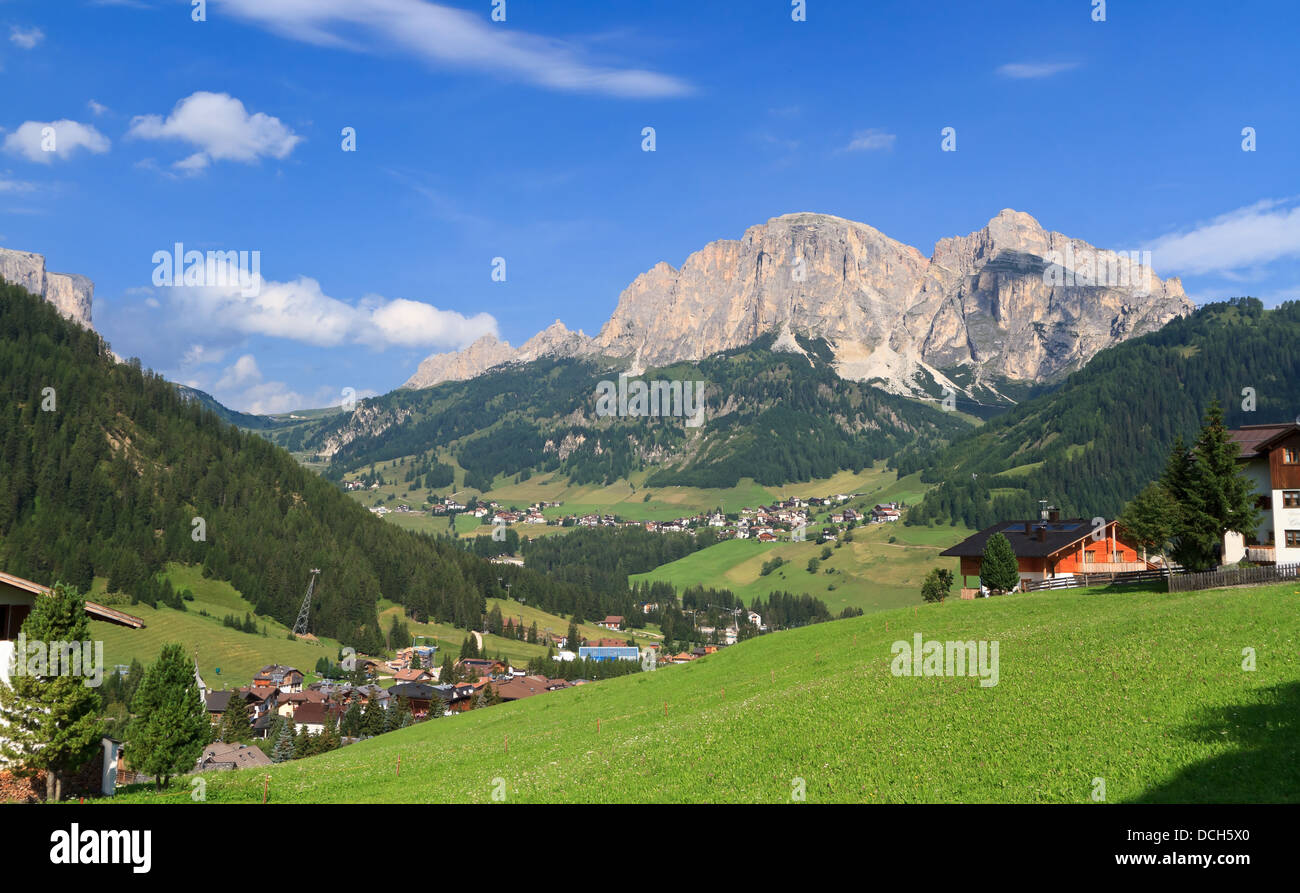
(452, 38)
(201, 354)
(1035, 69)
(221, 128)
(242, 387)
(27, 38)
(16, 186)
(243, 372)
(96, 108)
(300, 311)
(1257, 234)
(870, 141)
(64, 139)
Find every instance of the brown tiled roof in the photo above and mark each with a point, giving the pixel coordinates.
(315, 713)
(1252, 437)
(242, 756)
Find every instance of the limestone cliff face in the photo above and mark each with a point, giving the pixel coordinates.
(487, 352)
(459, 365)
(1010, 300)
(72, 294)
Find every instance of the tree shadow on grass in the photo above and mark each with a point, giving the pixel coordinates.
(1263, 767)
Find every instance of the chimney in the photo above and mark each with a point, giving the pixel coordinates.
(1042, 534)
(1054, 514)
(1042, 509)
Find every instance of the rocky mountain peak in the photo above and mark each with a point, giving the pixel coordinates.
(73, 295)
(990, 301)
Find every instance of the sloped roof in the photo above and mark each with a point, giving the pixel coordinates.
(98, 611)
(242, 756)
(1059, 535)
(1256, 440)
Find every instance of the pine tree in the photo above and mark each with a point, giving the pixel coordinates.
(937, 585)
(372, 718)
(51, 721)
(1227, 495)
(283, 750)
(171, 725)
(1150, 519)
(351, 724)
(574, 639)
(999, 570)
(237, 720)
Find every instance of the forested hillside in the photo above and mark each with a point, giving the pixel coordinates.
(772, 416)
(1090, 445)
(104, 468)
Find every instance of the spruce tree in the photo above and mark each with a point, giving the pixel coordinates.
(171, 724)
(999, 571)
(237, 721)
(1227, 495)
(51, 722)
(283, 750)
(1150, 519)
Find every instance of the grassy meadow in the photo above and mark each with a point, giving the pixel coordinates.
(1144, 690)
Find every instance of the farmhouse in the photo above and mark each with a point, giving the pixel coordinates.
(1050, 548)
(613, 621)
(285, 679)
(1271, 456)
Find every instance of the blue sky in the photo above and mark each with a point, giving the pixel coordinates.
(522, 139)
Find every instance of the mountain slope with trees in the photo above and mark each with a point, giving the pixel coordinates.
(771, 415)
(1093, 443)
(108, 470)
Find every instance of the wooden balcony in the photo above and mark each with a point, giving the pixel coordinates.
(1093, 568)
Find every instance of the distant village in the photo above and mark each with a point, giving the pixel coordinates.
(764, 523)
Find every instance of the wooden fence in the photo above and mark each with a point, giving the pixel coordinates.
(1234, 577)
(1080, 580)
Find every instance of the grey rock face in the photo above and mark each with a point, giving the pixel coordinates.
(487, 352)
(1010, 300)
(73, 295)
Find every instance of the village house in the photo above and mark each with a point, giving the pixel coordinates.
(314, 717)
(417, 674)
(613, 621)
(519, 687)
(481, 666)
(1270, 455)
(232, 756)
(285, 679)
(216, 703)
(289, 703)
(1049, 548)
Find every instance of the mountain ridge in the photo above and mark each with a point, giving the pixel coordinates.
(983, 307)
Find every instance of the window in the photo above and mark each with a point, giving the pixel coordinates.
(1293, 539)
(1290, 456)
(1291, 499)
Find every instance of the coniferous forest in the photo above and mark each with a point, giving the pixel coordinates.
(1091, 444)
(107, 470)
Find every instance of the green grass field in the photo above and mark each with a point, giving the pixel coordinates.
(239, 655)
(1144, 690)
(630, 498)
(870, 573)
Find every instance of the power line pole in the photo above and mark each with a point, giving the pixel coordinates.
(300, 626)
